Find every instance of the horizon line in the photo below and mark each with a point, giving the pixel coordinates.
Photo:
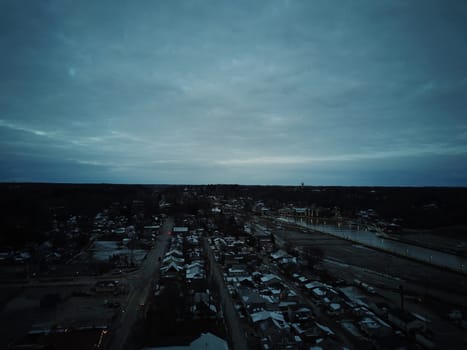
(219, 184)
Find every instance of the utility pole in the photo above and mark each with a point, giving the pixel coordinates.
(401, 289)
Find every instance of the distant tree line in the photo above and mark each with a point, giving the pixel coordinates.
(27, 210)
(418, 207)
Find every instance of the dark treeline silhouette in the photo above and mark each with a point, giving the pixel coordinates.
(418, 207)
(27, 210)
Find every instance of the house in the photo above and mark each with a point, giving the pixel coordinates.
(206, 341)
(276, 318)
(276, 334)
(318, 293)
(192, 240)
(289, 295)
(252, 300)
(246, 282)
(175, 252)
(406, 321)
(179, 230)
(314, 284)
(149, 231)
(216, 210)
(283, 258)
(301, 212)
(269, 279)
(334, 309)
(266, 243)
(286, 212)
(202, 305)
(237, 271)
(286, 305)
(172, 259)
(374, 327)
(172, 267)
(194, 271)
(219, 242)
(232, 259)
(279, 254)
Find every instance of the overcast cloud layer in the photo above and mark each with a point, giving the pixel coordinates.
(250, 92)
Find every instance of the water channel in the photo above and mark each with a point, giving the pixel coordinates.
(372, 239)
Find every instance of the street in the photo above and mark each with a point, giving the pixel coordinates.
(235, 328)
(139, 292)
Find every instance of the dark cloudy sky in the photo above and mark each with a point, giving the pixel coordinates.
(250, 92)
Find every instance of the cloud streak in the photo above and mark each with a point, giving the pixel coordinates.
(224, 92)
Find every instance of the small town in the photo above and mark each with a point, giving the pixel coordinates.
(233, 175)
(229, 272)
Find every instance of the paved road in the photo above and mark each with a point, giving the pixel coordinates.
(139, 292)
(80, 281)
(234, 326)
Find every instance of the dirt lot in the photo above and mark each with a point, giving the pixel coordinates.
(23, 312)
